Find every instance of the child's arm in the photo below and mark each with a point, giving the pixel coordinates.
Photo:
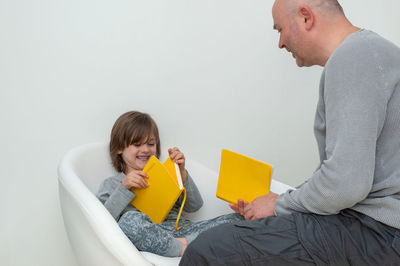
(194, 200)
(114, 195)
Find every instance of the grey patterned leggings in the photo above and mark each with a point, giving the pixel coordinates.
(161, 238)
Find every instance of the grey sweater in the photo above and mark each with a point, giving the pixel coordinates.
(116, 198)
(357, 127)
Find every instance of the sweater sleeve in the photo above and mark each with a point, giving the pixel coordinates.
(355, 107)
(194, 200)
(114, 196)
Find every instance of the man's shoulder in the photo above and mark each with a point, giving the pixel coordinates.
(363, 48)
(365, 43)
(363, 36)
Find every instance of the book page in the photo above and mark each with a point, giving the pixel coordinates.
(178, 175)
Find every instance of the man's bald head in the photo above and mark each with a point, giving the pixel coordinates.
(325, 7)
(310, 29)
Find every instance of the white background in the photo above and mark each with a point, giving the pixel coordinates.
(208, 71)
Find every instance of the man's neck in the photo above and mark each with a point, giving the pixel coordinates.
(336, 34)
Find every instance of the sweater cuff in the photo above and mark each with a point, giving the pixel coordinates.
(126, 193)
(281, 207)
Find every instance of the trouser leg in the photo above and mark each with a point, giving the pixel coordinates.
(192, 230)
(348, 238)
(148, 236)
(268, 241)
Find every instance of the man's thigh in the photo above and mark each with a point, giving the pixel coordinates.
(348, 238)
(273, 241)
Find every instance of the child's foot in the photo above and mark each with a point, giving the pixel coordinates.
(184, 245)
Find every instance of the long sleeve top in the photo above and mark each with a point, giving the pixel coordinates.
(357, 128)
(116, 198)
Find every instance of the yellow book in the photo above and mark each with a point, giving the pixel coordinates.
(165, 187)
(242, 177)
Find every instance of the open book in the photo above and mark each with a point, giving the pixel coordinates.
(242, 177)
(165, 187)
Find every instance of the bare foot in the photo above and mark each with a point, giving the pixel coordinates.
(184, 245)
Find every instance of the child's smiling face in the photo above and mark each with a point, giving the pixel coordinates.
(136, 155)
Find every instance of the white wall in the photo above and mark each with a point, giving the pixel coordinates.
(208, 71)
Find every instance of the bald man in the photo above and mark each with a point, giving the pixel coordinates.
(348, 211)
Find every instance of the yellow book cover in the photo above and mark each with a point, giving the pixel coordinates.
(173, 169)
(242, 177)
(163, 191)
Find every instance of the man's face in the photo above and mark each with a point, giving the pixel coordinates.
(291, 34)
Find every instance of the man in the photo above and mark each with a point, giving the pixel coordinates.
(348, 212)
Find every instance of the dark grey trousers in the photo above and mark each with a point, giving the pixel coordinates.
(348, 238)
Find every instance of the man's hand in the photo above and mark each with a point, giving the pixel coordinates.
(261, 207)
(240, 207)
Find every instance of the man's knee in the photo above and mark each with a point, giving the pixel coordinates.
(209, 245)
(197, 253)
(192, 256)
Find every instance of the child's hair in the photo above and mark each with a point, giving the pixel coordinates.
(131, 128)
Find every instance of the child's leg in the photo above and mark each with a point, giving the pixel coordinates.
(184, 243)
(147, 236)
(190, 232)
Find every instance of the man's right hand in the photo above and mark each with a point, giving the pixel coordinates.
(240, 207)
(261, 207)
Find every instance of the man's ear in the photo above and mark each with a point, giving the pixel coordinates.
(307, 17)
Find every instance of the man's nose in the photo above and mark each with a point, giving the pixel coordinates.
(281, 45)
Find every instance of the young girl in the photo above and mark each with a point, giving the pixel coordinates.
(134, 138)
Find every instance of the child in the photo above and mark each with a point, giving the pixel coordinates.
(134, 138)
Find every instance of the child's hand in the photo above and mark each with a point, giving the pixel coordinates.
(135, 179)
(178, 158)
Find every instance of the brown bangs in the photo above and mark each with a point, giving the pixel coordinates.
(142, 132)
